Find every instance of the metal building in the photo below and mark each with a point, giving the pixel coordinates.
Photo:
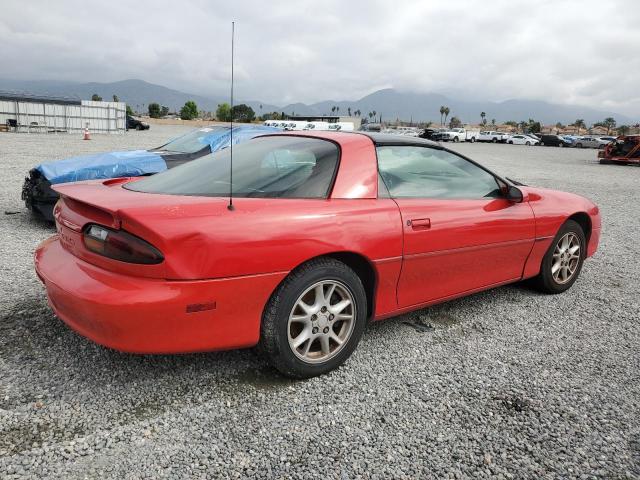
(21, 112)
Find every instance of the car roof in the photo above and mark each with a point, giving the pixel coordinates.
(378, 139)
(382, 139)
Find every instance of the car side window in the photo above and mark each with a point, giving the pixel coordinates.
(423, 172)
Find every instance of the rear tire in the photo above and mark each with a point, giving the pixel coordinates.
(561, 145)
(495, 140)
(455, 140)
(562, 263)
(299, 311)
(473, 139)
(528, 144)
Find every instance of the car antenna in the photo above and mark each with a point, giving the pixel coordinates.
(230, 206)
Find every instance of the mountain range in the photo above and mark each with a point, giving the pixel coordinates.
(391, 104)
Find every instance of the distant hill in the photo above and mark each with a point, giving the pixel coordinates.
(389, 103)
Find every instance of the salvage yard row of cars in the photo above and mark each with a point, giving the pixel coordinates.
(317, 234)
(551, 140)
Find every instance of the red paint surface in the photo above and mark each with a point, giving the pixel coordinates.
(236, 259)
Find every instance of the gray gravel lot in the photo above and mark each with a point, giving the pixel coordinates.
(507, 384)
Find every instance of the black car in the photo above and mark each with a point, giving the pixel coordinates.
(135, 124)
(553, 141)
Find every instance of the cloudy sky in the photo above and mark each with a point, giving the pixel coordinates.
(565, 51)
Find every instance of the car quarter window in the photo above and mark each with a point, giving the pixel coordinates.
(424, 172)
(278, 166)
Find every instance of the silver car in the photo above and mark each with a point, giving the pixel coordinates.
(592, 142)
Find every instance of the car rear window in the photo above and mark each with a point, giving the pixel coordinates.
(278, 166)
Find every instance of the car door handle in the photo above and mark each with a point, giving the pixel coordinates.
(419, 223)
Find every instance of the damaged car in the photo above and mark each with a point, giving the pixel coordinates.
(40, 198)
(625, 150)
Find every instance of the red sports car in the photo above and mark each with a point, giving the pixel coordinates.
(326, 232)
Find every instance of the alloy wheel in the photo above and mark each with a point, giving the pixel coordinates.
(321, 321)
(566, 258)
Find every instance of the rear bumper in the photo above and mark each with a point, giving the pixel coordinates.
(142, 315)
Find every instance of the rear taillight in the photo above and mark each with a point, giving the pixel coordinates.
(120, 245)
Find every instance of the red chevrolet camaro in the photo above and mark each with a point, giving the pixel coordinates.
(327, 231)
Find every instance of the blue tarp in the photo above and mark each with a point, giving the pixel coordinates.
(138, 162)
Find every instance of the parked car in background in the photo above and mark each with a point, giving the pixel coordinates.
(460, 135)
(328, 232)
(625, 150)
(521, 139)
(590, 141)
(39, 197)
(136, 124)
(492, 136)
(548, 140)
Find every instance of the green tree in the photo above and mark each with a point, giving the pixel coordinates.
(523, 126)
(96, 98)
(349, 111)
(609, 123)
(483, 116)
(579, 123)
(442, 107)
(154, 110)
(243, 113)
(623, 129)
(493, 122)
(446, 114)
(129, 111)
(189, 111)
(223, 113)
(455, 122)
(164, 111)
(115, 98)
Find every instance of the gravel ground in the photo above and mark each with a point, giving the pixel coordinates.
(503, 384)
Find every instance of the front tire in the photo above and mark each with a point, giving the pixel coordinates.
(528, 144)
(563, 261)
(495, 140)
(315, 319)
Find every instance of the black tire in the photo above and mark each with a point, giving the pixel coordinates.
(495, 140)
(138, 127)
(473, 139)
(578, 145)
(455, 140)
(274, 341)
(510, 142)
(604, 161)
(545, 282)
(528, 144)
(561, 145)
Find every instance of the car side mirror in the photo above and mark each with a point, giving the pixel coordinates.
(514, 194)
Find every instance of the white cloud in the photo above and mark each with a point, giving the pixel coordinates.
(580, 52)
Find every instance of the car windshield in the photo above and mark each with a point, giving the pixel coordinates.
(268, 167)
(192, 142)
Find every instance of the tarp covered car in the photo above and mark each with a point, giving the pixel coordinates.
(40, 198)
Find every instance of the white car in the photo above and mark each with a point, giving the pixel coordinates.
(522, 140)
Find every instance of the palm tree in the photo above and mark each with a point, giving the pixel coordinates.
(483, 115)
(337, 109)
(349, 110)
(442, 107)
(446, 114)
(493, 122)
(333, 109)
(374, 113)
